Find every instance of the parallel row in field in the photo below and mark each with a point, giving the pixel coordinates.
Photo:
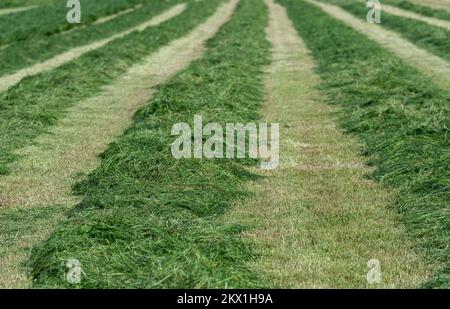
(132, 177)
(425, 5)
(15, 10)
(81, 135)
(403, 121)
(37, 102)
(22, 3)
(25, 119)
(432, 38)
(435, 67)
(316, 219)
(43, 21)
(115, 15)
(24, 53)
(420, 7)
(397, 11)
(10, 80)
(149, 220)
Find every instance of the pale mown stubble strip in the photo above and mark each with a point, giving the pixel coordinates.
(404, 13)
(437, 4)
(104, 19)
(435, 67)
(16, 10)
(48, 169)
(111, 17)
(316, 220)
(10, 80)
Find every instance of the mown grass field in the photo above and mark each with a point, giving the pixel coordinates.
(87, 173)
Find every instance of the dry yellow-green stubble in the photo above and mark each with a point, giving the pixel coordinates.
(316, 220)
(48, 169)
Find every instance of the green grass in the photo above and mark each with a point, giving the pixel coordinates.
(37, 102)
(420, 9)
(43, 21)
(150, 221)
(432, 38)
(403, 119)
(21, 54)
(19, 3)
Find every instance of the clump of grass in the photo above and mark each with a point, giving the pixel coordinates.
(148, 220)
(37, 102)
(432, 38)
(403, 119)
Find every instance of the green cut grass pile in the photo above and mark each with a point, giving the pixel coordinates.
(148, 220)
(431, 38)
(403, 119)
(37, 102)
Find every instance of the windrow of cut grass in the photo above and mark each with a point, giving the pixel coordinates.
(39, 187)
(419, 8)
(42, 21)
(37, 102)
(22, 54)
(402, 118)
(148, 220)
(431, 38)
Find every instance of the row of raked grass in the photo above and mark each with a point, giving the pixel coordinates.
(402, 118)
(149, 220)
(37, 102)
(434, 39)
(42, 21)
(22, 54)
